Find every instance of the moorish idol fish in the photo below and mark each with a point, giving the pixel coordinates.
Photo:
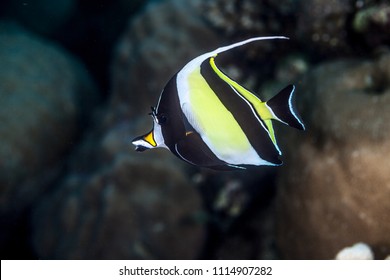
(207, 119)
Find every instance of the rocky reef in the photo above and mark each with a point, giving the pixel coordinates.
(147, 54)
(334, 187)
(42, 88)
(145, 206)
(131, 209)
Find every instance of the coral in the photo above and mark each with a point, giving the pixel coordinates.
(334, 186)
(372, 22)
(118, 204)
(342, 27)
(239, 19)
(321, 28)
(43, 92)
(41, 16)
(359, 251)
(156, 44)
(130, 209)
(144, 205)
(323, 25)
(248, 18)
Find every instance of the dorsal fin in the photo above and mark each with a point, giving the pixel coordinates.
(235, 45)
(198, 60)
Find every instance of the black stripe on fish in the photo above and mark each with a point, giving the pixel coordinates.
(179, 136)
(194, 150)
(241, 109)
(169, 115)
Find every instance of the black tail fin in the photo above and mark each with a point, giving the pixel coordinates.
(283, 108)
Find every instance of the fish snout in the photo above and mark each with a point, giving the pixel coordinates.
(144, 142)
(139, 148)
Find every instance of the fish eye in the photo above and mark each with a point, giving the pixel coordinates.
(162, 118)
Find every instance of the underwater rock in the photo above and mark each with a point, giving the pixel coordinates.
(240, 213)
(342, 27)
(241, 19)
(44, 93)
(322, 28)
(41, 16)
(162, 39)
(130, 209)
(156, 44)
(373, 24)
(359, 251)
(334, 187)
(248, 18)
(251, 237)
(134, 206)
(322, 25)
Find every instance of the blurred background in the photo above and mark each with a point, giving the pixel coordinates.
(78, 77)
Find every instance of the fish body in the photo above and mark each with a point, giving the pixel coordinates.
(207, 119)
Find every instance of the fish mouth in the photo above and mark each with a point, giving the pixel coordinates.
(140, 144)
(144, 142)
(139, 148)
